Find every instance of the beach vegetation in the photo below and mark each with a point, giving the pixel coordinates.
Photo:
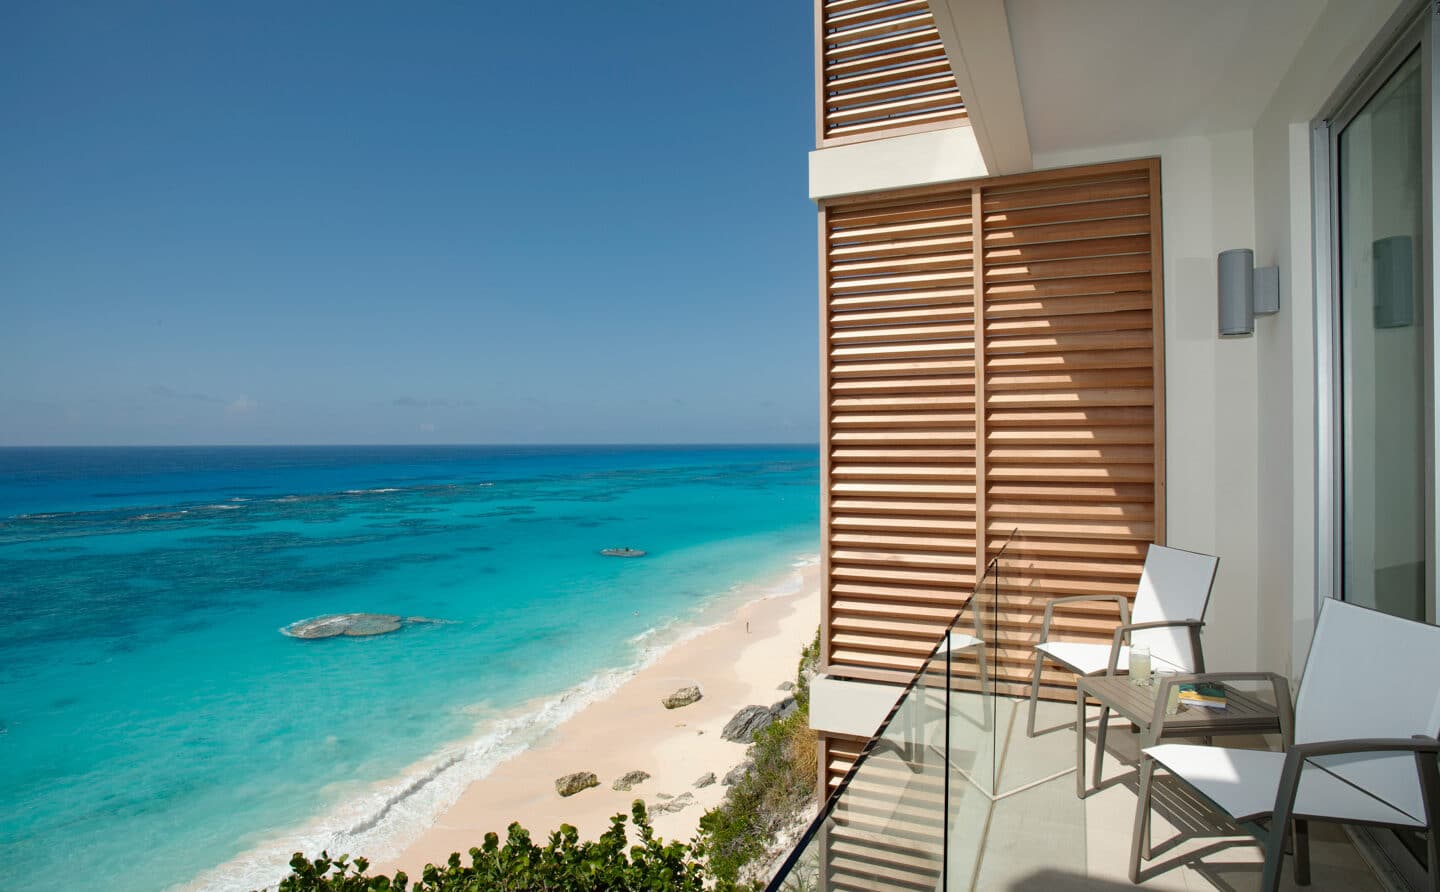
(776, 793)
(564, 864)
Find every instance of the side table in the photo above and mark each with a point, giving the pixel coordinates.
(1144, 705)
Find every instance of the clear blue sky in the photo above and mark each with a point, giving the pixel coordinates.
(366, 222)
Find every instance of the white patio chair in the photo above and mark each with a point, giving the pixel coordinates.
(1365, 728)
(1169, 611)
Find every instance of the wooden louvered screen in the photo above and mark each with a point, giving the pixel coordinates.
(884, 834)
(837, 754)
(881, 66)
(1067, 445)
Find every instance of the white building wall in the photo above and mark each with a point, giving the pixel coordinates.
(898, 162)
(1287, 397)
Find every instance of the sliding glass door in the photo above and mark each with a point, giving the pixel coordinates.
(1376, 166)
(1386, 323)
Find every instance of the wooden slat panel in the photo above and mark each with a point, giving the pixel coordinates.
(1065, 410)
(881, 66)
(838, 754)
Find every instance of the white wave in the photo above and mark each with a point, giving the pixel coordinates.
(382, 821)
(643, 636)
(223, 507)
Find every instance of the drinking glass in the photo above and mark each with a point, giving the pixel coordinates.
(1140, 665)
(1172, 697)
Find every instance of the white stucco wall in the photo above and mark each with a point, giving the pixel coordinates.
(853, 708)
(898, 162)
(1284, 234)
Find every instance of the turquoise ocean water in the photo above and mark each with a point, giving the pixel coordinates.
(156, 729)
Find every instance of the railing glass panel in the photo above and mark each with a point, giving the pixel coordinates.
(951, 794)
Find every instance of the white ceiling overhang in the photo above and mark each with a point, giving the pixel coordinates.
(1087, 73)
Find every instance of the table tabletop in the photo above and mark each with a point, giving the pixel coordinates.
(1243, 713)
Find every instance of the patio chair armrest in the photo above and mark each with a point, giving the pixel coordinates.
(1279, 684)
(1423, 746)
(1123, 631)
(1420, 743)
(1075, 599)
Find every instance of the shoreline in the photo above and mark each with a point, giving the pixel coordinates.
(497, 775)
(737, 662)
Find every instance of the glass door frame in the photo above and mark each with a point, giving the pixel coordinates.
(1384, 849)
(1332, 456)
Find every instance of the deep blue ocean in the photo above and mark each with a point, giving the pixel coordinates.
(157, 729)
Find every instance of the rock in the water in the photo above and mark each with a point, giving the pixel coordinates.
(705, 780)
(737, 774)
(622, 552)
(683, 697)
(629, 779)
(785, 686)
(357, 625)
(372, 624)
(783, 708)
(746, 723)
(571, 784)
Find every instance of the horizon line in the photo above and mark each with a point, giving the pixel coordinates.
(672, 444)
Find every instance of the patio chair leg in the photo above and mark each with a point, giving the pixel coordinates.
(1434, 847)
(1302, 853)
(1099, 746)
(1140, 840)
(1034, 693)
(1430, 793)
(1274, 856)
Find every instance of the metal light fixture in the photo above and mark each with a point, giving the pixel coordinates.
(1245, 292)
(1394, 273)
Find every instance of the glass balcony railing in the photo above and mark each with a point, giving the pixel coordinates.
(951, 793)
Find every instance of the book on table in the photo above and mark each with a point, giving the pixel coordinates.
(1207, 696)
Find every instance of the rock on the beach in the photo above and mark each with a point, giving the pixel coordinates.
(785, 686)
(664, 795)
(629, 779)
(737, 774)
(705, 780)
(678, 803)
(783, 708)
(746, 723)
(571, 784)
(683, 697)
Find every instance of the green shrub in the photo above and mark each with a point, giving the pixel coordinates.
(565, 864)
(777, 789)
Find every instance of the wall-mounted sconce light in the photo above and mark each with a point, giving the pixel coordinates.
(1394, 282)
(1245, 292)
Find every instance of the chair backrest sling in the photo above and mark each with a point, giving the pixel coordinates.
(1174, 585)
(1370, 674)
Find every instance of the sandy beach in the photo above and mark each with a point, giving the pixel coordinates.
(739, 662)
